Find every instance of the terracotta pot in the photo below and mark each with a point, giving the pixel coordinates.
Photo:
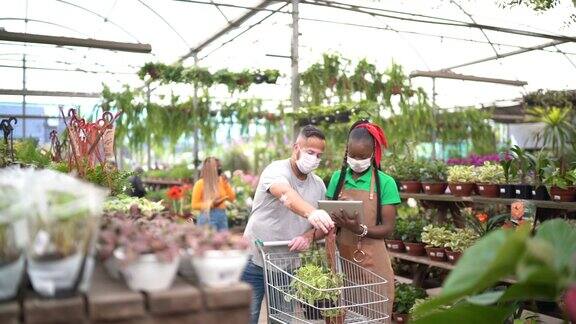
(461, 189)
(415, 249)
(540, 193)
(435, 188)
(410, 186)
(335, 319)
(523, 191)
(396, 90)
(507, 191)
(488, 190)
(559, 194)
(453, 256)
(436, 254)
(400, 318)
(395, 246)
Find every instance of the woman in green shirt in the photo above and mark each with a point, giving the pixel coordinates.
(361, 179)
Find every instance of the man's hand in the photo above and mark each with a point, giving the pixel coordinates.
(342, 220)
(299, 243)
(321, 220)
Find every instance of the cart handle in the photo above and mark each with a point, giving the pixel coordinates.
(261, 243)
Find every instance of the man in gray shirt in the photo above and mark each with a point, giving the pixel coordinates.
(285, 207)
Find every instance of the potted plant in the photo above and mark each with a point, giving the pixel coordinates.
(412, 237)
(63, 229)
(218, 257)
(433, 176)
(405, 297)
(436, 238)
(461, 180)
(510, 173)
(395, 244)
(462, 238)
(271, 76)
(540, 161)
(258, 77)
(482, 222)
(523, 189)
(316, 286)
(562, 187)
(407, 171)
(488, 178)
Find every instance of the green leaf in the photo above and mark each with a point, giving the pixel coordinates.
(494, 257)
(563, 239)
(485, 299)
(467, 313)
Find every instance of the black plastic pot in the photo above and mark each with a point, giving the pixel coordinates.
(507, 191)
(523, 191)
(540, 193)
(312, 313)
(259, 78)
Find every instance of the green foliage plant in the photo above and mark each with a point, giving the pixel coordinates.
(406, 296)
(436, 236)
(462, 238)
(490, 173)
(434, 171)
(461, 174)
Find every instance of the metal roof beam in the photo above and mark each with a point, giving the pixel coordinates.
(456, 76)
(37, 93)
(78, 42)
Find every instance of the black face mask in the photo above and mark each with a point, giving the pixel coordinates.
(219, 171)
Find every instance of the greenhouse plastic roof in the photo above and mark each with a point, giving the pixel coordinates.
(395, 32)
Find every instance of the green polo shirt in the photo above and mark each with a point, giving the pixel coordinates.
(388, 195)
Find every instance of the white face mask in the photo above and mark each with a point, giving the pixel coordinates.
(307, 162)
(359, 166)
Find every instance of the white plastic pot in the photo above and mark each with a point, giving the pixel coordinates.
(10, 277)
(150, 274)
(48, 277)
(220, 268)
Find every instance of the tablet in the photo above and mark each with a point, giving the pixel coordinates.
(350, 206)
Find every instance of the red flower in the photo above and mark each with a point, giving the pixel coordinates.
(482, 217)
(175, 193)
(570, 301)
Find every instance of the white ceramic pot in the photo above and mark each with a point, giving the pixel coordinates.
(48, 277)
(150, 274)
(220, 268)
(10, 277)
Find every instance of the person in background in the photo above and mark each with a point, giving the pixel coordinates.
(360, 179)
(285, 208)
(137, 187)
(210, 194)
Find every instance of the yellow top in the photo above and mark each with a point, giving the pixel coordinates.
(224, 189)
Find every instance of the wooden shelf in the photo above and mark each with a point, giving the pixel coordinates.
(484, 200)
(425, 260)
(162, 182)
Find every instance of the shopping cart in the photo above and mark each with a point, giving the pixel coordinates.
(362, 296)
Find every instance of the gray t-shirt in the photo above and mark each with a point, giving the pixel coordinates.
(270, 220)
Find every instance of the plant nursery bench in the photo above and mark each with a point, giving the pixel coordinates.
(110, 301)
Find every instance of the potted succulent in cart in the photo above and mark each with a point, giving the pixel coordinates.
(541, 161)
(316, 286)
(433, 177)
(405, 297)
(412, 237)
(523, 189)
(436, 238)
(148, 252)
(407, 171)
(218, 257)
(462, 238)
(488, 179)
(562, 185)
(12, 240)
(461, 180)
(395, 244)
(63, 231)
(510, 173)
(271, 76)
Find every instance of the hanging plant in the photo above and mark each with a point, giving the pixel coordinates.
(313, 82)
(331, 64)
(271, 76)
(198, 75)
(243, 80)
(258, 77)
(227, 78)
(397, 79)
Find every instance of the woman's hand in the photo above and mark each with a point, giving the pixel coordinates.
(342, 220)
(218, 201)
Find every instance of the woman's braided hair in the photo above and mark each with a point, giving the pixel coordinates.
(342, 176)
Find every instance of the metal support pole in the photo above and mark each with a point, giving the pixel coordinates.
(434, 129)
(148, 145)
(24, 95)
(196, 124)
(295, 93)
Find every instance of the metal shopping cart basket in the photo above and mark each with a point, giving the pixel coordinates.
(362, 295)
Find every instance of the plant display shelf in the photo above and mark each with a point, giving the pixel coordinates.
(157, 184)
(111, 300)
(569, 206)
(424, 260)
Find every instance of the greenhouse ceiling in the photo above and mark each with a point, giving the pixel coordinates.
(431, 35)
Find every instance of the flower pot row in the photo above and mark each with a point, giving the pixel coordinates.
(420, 249)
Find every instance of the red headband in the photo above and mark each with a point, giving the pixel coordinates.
(379, 139)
